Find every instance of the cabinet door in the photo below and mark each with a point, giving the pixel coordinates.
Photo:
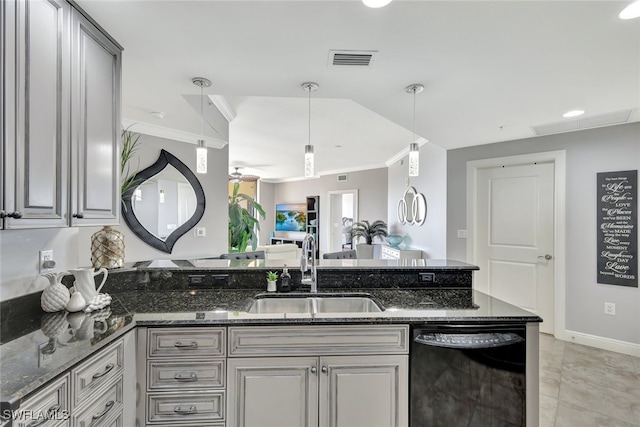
(272, 392)
(366, 391)
(95, 133)
(35, 100)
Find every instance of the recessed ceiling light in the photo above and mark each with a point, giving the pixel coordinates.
(631, 11)
(338, 146)
(573, 113)
(376, 3)
(157, 114)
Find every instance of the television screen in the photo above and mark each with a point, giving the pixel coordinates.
(291, 217)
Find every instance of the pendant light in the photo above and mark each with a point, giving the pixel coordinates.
(632, 11)
(201, 150)
(414, 149)
(308, 149)
(376, 3)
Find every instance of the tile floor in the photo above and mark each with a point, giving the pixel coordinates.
(584, 386)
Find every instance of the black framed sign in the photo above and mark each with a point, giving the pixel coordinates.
(618, 228)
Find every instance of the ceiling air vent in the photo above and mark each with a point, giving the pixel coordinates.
(606, 119)
(351, 58)
(342, 178)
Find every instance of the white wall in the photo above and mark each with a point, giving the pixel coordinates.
(588, 152)
(265, 198)
(19, 248)
(431, 237)
(372, 196)
(214, 183)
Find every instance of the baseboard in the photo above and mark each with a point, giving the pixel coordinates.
(603, 343)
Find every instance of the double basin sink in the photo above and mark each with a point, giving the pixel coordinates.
(314, 303)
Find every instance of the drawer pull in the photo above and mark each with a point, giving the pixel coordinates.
(186, 378)
(179, 344)
(50, 413)
(107, 408)
(107, 369)
(178, 410)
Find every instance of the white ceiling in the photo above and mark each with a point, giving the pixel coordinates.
(491, 70)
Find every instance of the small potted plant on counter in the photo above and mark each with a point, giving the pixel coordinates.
(272, 276)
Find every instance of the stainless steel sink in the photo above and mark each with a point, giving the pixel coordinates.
(306, 303)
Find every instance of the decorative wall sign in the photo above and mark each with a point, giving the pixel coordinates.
(412, 208)
(618, 228)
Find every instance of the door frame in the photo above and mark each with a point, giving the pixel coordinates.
(558, 158)
(329, 225)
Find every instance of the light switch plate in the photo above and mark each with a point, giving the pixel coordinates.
(201, 231)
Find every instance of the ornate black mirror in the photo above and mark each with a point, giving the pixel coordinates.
(165, 202)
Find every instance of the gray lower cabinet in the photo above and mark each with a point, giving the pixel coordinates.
(49, 407)
(98, 392)
(352, 376)
(103, 389)
(60, 125)
(181, 373)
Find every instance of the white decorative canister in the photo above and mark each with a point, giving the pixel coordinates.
(107, 248)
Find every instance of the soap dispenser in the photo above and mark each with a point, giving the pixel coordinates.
(285, 280)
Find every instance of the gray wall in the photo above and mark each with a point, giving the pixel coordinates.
(372, 196)
(587, 153)
(19, 248)
(431, 237)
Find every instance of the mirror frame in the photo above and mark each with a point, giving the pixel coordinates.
(129, 215)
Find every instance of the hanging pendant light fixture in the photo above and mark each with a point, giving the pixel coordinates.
(308, 149)
(414, 149)
(201, 150)
(376, 3)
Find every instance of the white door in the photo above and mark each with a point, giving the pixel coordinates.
(514, 237)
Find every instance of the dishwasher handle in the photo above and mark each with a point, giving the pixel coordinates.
(468, 340)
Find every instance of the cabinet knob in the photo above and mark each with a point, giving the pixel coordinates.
(78, 215)
(314, 370)
(15, 215)
(324, 370)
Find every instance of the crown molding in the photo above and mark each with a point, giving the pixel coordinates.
(223, 106)
(176, 135)
(404, 152)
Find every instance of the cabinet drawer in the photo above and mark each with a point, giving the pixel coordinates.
(389, 253)
(186, 407)
(188, 342)
(318, 340)
(95, 372)
(52, 402)
(101, 410)
(185, 375)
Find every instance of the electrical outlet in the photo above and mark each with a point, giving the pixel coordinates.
(201, 232)
(46, 262)
(462, 234)
(610, 308)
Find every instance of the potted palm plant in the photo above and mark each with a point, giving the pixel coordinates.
(244, 215)
(368, 232)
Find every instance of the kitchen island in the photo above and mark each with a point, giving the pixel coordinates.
(218, 294)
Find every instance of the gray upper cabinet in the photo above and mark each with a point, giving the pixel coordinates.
(95, 107)
(61, 118)
(36, 73)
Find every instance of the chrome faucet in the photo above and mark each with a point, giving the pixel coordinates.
(310, 279)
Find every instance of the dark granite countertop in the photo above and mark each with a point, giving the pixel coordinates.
(31, 357)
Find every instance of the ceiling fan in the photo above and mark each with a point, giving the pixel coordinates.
(239, 177)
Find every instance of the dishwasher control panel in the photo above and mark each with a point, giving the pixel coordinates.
(475, 340)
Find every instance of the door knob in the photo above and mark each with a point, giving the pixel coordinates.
(547, 257)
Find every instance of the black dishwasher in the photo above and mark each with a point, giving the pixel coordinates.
(467, 375)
